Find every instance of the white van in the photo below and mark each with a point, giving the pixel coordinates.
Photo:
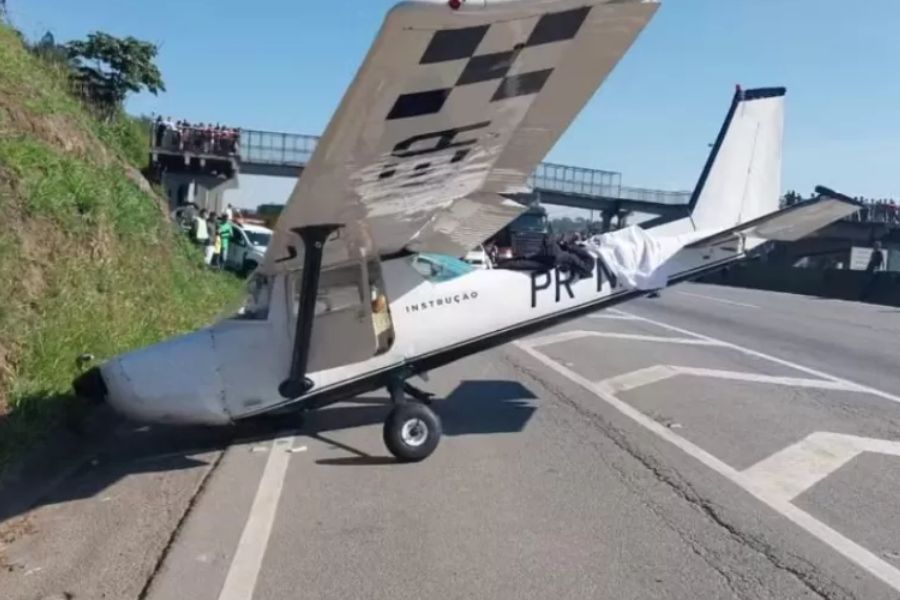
(247, 248)
(479, 258)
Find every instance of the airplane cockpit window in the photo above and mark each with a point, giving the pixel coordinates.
(440, 267)
(338, 296)
(352, 314)
(256, 301)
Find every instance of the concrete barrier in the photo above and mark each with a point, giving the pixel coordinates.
(883, 288)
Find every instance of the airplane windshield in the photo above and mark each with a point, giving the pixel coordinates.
(258, 238)
(440, 267)
(533, 223)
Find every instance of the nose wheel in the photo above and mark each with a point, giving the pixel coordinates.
(412, 430)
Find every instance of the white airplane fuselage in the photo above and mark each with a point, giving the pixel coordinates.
(232, 369)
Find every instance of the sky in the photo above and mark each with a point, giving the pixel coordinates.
(284, 65)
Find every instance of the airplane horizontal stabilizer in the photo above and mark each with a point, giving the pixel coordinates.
(792, 223)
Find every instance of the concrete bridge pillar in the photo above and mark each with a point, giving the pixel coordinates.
(206, 191)
(606, 219)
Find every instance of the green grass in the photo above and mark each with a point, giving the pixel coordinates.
(76, 194)
(42, 88)
(104, 309)
(129, 137)
(90, 264)
(37, 86)
(119, 278)
(142, 282)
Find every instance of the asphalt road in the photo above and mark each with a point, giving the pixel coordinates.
(711, 443)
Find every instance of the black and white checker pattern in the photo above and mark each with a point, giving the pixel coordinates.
(463, 44)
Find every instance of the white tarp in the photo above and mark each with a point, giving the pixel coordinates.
(636, 257)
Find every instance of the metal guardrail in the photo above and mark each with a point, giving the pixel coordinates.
(294, 150)
(272, 148)
(655, 196)
(576, 180)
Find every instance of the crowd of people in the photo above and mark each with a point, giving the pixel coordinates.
(201, 138)
(884, 210)
(878, 211)
(212, 232)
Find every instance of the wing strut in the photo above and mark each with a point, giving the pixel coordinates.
(313, 237)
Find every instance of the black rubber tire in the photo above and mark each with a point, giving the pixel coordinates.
(248, 267)
(393, 432)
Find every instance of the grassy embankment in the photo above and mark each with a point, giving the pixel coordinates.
(88, 261)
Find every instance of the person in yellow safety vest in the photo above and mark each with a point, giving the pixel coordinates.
(216, 248)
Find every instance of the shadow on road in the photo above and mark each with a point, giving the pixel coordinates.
(115, 449)
(473, 408)
(98, 459)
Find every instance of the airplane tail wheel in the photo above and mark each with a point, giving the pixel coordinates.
(412, 432)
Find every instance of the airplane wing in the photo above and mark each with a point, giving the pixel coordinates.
(794, 222)
(450, 111)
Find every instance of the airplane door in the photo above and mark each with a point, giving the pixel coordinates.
(352, 321)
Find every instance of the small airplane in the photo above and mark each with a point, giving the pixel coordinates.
(361, 288)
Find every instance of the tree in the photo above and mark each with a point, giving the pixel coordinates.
(112, 67)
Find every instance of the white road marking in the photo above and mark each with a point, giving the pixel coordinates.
(854, 552)
(714, 299)
(650, 338)
(567, 336)
(792, 471)
(655, 374)
(611, 317)
(251, 548)
(556, 338)
(773, 379)
(850, 384)
(639, 378)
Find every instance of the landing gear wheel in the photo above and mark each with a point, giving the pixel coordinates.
(412, 432)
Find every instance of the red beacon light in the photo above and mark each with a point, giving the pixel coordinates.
(455, 4)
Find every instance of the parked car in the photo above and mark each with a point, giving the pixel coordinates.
(479, 258)
(183, 216)
(248, 246)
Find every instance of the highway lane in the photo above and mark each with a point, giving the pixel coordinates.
(613, 457)
(850, 339)
(711, 443)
